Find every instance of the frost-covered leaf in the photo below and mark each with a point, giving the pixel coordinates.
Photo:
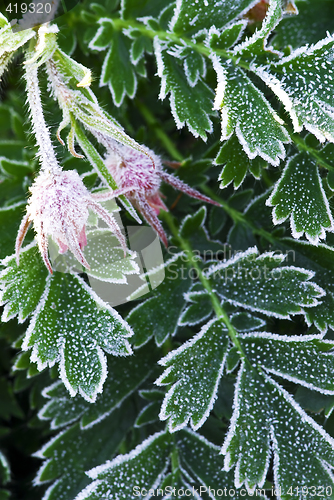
(80, 450)
(123, 81)
(158, 315)
(226, 38)
(255, 45)
(193, 229)
(194, 66)
(150, 413)
(300, 195)
(9, 41)
(22, 286)
(306, 360)
(265, 419)
(203, 461)
(245, 322)
(237, 163)
(303, 81)
(194, 389)
(4, 470)
(259, 283)
(127, 475)
(319, 259)
(189, 105)
(191, 17)
(124, 376)
(199, 309)
(71, 326)
(104, 256)
(245, 111)
(310, 26)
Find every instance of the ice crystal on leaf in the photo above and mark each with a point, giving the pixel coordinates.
(59, 207)
(259, 283)
(74, 333)
(245, 111)
(195, 386)
(299, 192)
(143, 467)
(266, 418)
(303, 81)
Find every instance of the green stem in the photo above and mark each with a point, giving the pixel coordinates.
(302, 146)
(239, 217)
(219, 310)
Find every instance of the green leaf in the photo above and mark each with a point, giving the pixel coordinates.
(80, 450)
(10, 219)
(9, 406)
(202, 460)
(257, 282)
(199, 310)
(320, 260)
(193, 229)
(193, 394)
(128, 474)
(189, 105)
(237, 163)
(123, 81)
(225, 38)
(266, 417)
(245, 322)
(104, 256)
(131, 9)
(158, 315)
(313, 21)
(303, 82)
(124, 377)
(246, 112)
(190, 17)
(300, 195)
(72, 326)
(22, 286)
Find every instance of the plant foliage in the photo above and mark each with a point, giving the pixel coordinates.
(201, 365)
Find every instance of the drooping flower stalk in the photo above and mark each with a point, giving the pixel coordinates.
(59, 203)
(46, 151)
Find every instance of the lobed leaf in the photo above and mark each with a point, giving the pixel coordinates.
(158, 315)
(124, 377)
(190, 17)
(190, 105)
(71, 326)
(80, 450)
(237, 163)
(128, 474)
(22, 286)
(302, 81)
(194, 389)
(299, 195)
(267, 418)
(257, 282)
(245, 111)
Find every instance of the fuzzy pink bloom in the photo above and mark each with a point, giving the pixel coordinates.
(58, 207)
(139, 180)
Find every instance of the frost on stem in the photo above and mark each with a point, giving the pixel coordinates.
(139, 180)
(58, 207)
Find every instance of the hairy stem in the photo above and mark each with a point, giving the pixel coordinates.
(192, 259)
(47, 154)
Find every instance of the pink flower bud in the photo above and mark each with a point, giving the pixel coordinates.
(139, 179)
(58, 207)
